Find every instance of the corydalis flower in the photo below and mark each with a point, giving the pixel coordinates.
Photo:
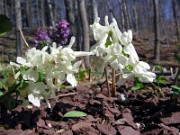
(117, 50)
(63, 32)
(41, 38)
(46, 69)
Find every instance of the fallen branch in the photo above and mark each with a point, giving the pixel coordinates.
(68, 94)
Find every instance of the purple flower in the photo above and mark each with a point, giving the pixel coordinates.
(41, 38)
(60, 35)
(63, 32)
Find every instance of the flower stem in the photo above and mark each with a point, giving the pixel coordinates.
(113, 82)
(90, 74)
(107, 80)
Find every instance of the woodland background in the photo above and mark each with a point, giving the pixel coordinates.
(155, 22)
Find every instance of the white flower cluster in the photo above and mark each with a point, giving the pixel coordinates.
(116, 49)
(43, 71)
(55, 64)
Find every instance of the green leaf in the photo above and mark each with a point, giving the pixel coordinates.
(108, 42)
(177, 57)
(129, 67)
(1, 93)
(5, 24)
(134, 88)
(75, 114)
(175, 87)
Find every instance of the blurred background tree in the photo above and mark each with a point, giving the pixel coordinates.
(138, 15)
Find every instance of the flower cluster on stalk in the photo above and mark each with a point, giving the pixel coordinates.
(41, 38)
(60, 35)
(117, 50)
(43, 71)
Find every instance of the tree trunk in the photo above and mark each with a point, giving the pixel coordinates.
(95, 10)
(30, 13)
(19, 41)
(110, 9)
(55, 10)
(78, 27)
(37, 14)
(122, 15)
(42, 14)
(126, 15)
(156, 30)
(175, 11)
(1, 7)
(70, 13)
(135, 17)
(85, 28)
(51, 13)
(5, 8)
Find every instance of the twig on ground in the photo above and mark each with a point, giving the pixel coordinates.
(68, 94)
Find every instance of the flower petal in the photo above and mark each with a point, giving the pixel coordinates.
(31, 75)
(76, 66)
(71, 79)
(35, 100)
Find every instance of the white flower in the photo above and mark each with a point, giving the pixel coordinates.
(133, 56)
(141, 70)
(98, 30)
(115, 57)
(126, 37)
(31, 74)
(36, 92)
(116, 49)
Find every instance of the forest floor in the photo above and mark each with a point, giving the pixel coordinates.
(142, 112)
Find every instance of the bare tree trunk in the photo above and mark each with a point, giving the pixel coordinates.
(42, 14)
(30, 13)
(5, 8)
(1, 7)
(163, 28)
(55, 10)
(110, 9)
(175, 11)
(122, 15)
(156, 30)
(135, 17)
(78, 27)
(19, 41)
(126, 15)
(51, 13)
(70, 13)
(37, 14)
(85, 28)
(95, 10)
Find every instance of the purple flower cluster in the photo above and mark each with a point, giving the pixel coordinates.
(63, 32)
(60, 35)
(41, 38)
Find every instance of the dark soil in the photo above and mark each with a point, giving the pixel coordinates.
(141, 113)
